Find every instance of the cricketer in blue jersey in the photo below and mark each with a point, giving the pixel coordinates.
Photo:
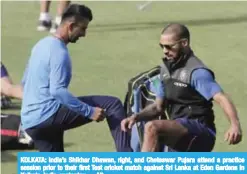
(187, 90)
(48, 108)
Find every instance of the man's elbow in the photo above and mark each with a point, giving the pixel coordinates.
(223, 99)
(159, 109)
(55, 92)
(159, 106)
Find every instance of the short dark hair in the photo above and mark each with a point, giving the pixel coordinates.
(180, 30)
(77, 11)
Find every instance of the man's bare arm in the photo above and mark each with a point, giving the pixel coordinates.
(234, 133)
(228, 107)
(151, 111)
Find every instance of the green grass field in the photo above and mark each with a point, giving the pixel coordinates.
(123, 41)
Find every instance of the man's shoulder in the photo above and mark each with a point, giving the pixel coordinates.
(49, 41)
(199, 68)
(44, 40)
(195, 61)
(202, 73)
(43, 43)
(52, 45)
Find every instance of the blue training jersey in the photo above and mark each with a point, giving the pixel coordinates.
(45, 83)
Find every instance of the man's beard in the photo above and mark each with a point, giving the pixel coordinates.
(171, 63)
(177, 58)
(73, 39)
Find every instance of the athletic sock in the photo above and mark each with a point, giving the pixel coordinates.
(44, 17)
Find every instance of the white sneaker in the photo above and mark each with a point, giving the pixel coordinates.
(44, 25)
(24, 138)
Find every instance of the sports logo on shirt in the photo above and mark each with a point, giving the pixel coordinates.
(180, 84)
(183, 75)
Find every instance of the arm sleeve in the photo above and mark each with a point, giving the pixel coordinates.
(59, 80)
(204, 82)
(23, 80)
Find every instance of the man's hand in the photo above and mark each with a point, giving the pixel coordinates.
(127, 123)
(233, 134)
(98, 115)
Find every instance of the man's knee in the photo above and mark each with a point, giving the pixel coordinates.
(115, 102)
(150, 128)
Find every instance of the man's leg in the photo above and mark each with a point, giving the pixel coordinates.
(180, 135)
(170, 129)
(47, 137)
(44, 17)
(65, 119)
(45, 6)
(115, 114)
(62, 5)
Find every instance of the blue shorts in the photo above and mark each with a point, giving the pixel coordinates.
(4, 72)
(200, 138)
